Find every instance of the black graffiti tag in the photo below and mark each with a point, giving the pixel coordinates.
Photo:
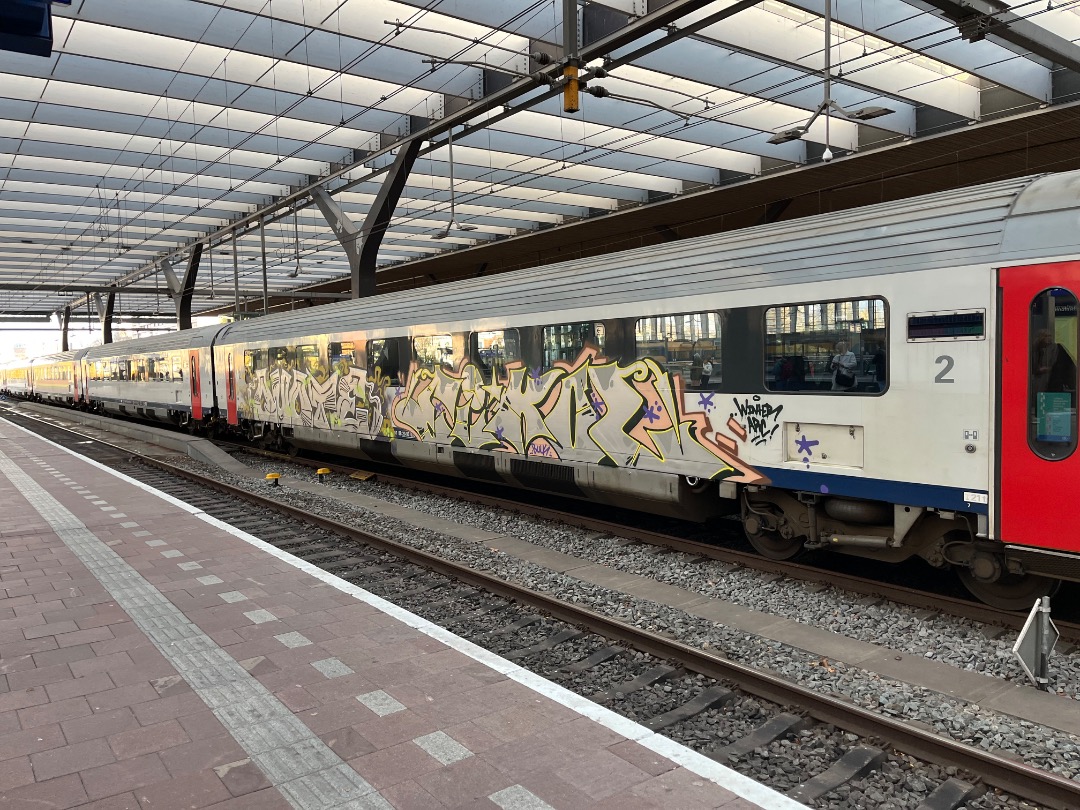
(762, 419)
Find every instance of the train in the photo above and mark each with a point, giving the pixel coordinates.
(896, 381)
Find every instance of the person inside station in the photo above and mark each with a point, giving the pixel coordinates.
(843, 368)
(880, 369)
(1052, 366)
(696, 369)
(706, 371)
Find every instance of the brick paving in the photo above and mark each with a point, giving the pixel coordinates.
(151, 659)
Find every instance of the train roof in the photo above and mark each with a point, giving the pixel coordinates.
(170, 341)
(1007, 221)
(60, 357)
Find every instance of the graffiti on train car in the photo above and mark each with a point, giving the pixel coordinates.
(590, 409)
(353, 400)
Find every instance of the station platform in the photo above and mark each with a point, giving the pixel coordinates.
(154, 657)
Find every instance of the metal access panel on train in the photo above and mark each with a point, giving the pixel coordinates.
(823, 445)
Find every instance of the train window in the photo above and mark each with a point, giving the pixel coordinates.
(827, 346)
(139, 368)
(565, 342)
(309, 360)
(493, 351)
(343, 356)
(383, 356)
(433, 351)
(688, 344)
(1052, 380)
(254, 362)
(281, 357)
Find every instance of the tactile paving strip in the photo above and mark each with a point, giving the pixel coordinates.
(302, 767)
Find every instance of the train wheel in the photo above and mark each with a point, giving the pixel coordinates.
(769, 543)
(1010, 591)
(773, 546)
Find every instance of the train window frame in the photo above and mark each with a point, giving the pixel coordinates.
(598, 330)
(1049, 445)
(276, 354)
(309, 360)
(439, 354)
(388, 347)
(255, 360)
(342, 356)
(691, 367)
(866, 364)
(497, 356)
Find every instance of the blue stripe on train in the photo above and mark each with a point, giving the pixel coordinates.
(902, 492)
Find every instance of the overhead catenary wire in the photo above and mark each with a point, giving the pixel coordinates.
(562, 147)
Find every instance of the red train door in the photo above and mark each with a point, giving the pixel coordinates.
(196, 386)
(230, 392)
(1039, 462)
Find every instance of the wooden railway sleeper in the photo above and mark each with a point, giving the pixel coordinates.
(856, 762)
(708, 698)
(548, 643)
(647, 678)
(782, 725)
(950, 794)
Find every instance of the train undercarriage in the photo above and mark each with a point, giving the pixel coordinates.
(782, 524)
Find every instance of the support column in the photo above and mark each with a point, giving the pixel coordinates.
(262, 241)
(362, 244)
(65, 323)
(105, 308)
(181, 291)
(235, 280)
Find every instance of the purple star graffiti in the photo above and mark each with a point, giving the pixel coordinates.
(706, 401)
(804, 444)
(653, 413)
(597, 404)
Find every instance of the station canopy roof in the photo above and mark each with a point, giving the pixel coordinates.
(156, 125)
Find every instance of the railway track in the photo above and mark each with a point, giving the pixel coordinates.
(870, 587)
(652, 678)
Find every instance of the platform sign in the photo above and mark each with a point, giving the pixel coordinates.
(1037, 640)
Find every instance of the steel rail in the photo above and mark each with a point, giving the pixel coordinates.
(996, 770)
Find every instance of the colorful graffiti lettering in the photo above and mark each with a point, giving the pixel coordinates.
(590, 410)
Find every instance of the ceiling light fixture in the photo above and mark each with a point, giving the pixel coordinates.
(452, 224)
(828, 105)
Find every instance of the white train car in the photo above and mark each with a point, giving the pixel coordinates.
(894, 381)
(586, 378)
(18, 380)
(55, 377)
(160, 378)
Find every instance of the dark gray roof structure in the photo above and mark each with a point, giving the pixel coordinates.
(153, 127)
